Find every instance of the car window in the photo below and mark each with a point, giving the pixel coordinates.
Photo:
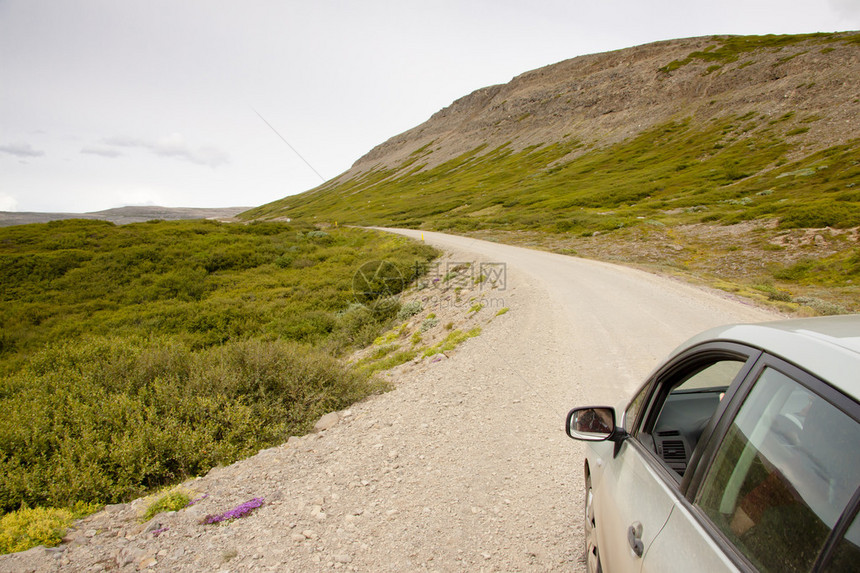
(846, 556)
(783, 474)
(690, 404)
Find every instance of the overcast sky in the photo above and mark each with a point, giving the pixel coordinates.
(105, 103)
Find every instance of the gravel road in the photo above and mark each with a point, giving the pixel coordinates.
(464, 467)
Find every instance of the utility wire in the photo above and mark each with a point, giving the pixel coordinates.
(290, 146)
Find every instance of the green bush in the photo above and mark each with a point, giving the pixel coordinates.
(26, 528)
(30, 527)
(106, 419)
(822, 214)
(409, 309)
(136, 356)
(171, 501)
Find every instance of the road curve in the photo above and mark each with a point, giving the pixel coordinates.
(615, 322)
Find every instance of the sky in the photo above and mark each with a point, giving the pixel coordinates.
(206, 103)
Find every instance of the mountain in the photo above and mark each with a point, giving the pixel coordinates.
(662, 120)
(123, 215)
(736, 141)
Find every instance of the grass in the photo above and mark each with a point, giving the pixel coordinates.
(135, 357)
(454, 338)
(729, 49)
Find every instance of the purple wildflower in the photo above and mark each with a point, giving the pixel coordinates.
(157, 532)
(198, 500)
(235, 513)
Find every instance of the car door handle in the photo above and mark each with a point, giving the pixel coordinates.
(634, 538)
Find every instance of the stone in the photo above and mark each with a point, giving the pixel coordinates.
(152, 525)
(327, 422)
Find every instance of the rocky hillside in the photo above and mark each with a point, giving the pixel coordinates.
(607, 98)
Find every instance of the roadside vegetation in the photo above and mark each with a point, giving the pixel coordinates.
(133, 357)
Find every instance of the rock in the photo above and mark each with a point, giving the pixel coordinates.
(128, 555)
(153, 524)
(327, 422)
(115, 508)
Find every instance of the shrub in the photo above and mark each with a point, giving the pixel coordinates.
(107, 419)
(821, 307)
(820, 214)
(796, 271)
(26, 528)
(409, 309)
(171, 501)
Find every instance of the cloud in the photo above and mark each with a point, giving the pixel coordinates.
(8, 203)
(21, 150)
(175, 146)
(101, 151)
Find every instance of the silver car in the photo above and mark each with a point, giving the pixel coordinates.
(740, 453)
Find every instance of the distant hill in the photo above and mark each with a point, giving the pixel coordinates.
(737, 127)
(123, 215)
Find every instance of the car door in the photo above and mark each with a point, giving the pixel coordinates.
(778, 484)
(640, 483)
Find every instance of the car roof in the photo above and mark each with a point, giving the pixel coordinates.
(828, 347)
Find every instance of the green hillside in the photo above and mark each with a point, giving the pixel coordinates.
(733, 170)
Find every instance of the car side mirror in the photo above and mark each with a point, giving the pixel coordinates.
(593, 424)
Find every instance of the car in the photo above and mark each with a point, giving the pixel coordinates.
(741, 452)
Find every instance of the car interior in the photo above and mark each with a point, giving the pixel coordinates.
(686, 411)
(681, 423)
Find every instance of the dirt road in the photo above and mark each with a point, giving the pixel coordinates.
(464, 467)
